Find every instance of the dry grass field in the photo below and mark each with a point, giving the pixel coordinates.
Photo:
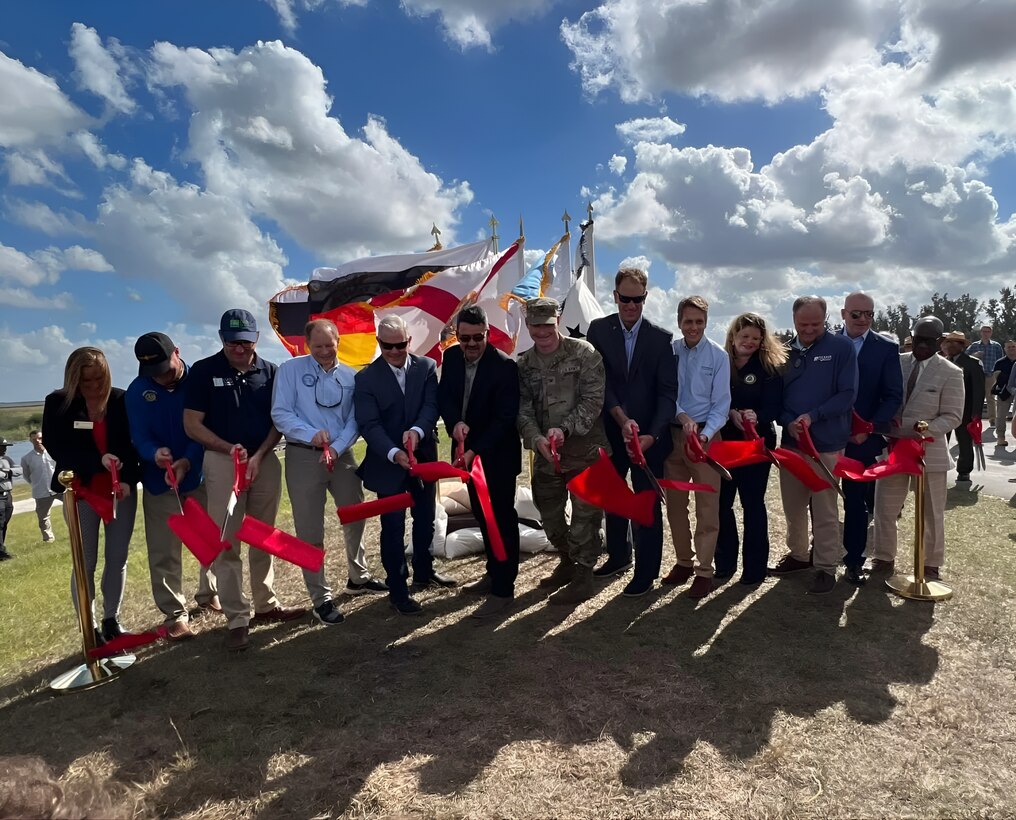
(751, 703)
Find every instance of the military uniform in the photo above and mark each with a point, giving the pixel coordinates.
(564, 389)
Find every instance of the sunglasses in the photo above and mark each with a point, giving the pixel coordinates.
(627, 300)
(857, 314)
(475, 338)
(393, 345)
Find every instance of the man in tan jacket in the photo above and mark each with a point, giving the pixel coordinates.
(933, 393)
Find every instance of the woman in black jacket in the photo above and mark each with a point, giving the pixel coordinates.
(756, 395)
(86, 430)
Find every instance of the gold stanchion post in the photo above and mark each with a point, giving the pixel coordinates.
(915, 586)
(94, 671)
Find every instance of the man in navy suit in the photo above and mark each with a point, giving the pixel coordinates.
(395, 402)
(639, 399)
(479, 401)
(879, 398)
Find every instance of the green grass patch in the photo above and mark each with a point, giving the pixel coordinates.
(17, 422)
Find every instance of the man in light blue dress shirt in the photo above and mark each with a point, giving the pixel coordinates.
(312, 406)
(703, 402)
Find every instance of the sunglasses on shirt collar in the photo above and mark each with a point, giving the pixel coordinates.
(627, 300)
(393, 345)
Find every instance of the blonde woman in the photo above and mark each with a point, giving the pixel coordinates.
(86, 430)
(756, 395)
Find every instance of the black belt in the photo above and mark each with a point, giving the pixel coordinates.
(678, 424)
(303, 446)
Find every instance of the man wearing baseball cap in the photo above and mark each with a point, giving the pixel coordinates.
(228, 408)
(8, 472)
(954, 343)
(155, 412)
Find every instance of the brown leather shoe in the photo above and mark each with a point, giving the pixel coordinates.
(678, 575)
(179, 631)
(279, 614)
(212, 605)
(238, 639)
(700, 587)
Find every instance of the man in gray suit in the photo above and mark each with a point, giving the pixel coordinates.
(933, 393)
(395, 403)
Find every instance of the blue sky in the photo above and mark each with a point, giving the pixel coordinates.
(161, 162)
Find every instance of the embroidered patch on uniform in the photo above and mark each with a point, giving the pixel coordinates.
(149, 395)
(308, 380)
(751, 378)
(822, 359)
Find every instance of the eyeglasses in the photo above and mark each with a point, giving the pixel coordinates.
(857, 314)
(239, 343)
(476, 338)
(327, 391)
(627, 300)
(393, 345)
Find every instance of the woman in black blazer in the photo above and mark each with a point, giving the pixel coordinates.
(756, 394)
(86, 430)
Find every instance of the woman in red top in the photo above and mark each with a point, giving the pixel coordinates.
(86, 430)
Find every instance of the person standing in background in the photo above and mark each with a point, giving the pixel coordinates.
(37, 466)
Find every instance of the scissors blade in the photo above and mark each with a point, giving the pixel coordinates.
(981, 464)
(230, 506)
(828, 475)
(723, 471)
(655, 483)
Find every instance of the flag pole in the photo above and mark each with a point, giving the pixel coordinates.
(493, 231)
(567, 232)
(591, 273)
(522, 244)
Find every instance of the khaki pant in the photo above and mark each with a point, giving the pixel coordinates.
(678, 467)
(307, 480)
(260, 501)
(825, 518)
(42, 508)
(989, 383)
(165, 559)
(1001, 407)
(890, 495)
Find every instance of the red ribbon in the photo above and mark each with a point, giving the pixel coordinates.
(370, 509)
(554, 457)
(601, 486)
(859, 426)
(122, 643)
(281, 544)
(198, 532)
(974, 428)
(734, 454)
(685, 486)
(483, 494)
(794, 463)
(905, 457)
(101, 503)
(240, 482)
(436, 470)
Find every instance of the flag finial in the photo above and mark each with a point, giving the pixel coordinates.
(522, 230)
(566, 218)
(589, 210)
(436, 233)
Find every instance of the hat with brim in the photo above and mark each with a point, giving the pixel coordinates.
(238, 326)
(154, 352)
(954, 336)
(542, 311)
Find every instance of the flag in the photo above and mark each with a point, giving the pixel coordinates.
(556, 267)
(580, 308)
(346, 295)
(585, 259)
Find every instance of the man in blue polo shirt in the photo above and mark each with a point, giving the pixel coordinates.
(155, 412)
(229, 408)
(819, 387)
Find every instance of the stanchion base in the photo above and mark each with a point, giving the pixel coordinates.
(88, 676)
(906, 587)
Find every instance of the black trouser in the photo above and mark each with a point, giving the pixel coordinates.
(393, 544)
(501, 488)
(965, 459)
(6, 512)
(647, 541)
(858, 504)
(750, 484)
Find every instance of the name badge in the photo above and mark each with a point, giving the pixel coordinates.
(822, 359)
(84, 425)
(216, 381)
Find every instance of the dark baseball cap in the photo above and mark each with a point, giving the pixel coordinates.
(154, 352)
(238, 326)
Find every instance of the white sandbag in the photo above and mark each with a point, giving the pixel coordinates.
(453, 507)
(460, 495)
(524, 505)
(533, 540)
(468, 541)
(440, 530)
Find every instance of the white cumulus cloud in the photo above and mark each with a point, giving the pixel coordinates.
(33, 109)
(617, 164)
(649, 129)
(98, 70)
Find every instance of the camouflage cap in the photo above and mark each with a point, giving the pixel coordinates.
(542, 311)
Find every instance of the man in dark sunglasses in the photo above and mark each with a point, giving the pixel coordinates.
(479, 401)
(312, 406)
(639, 400)
(395, 404)
(878, 400)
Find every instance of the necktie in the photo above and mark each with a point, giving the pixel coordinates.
(400, 377)
(914, 373)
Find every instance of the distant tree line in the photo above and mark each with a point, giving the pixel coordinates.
(956, 314)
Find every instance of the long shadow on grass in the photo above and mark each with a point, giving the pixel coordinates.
(305, 721)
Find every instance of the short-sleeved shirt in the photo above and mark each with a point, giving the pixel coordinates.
(237, 406)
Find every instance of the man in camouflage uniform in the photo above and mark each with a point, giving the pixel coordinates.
(561, 384)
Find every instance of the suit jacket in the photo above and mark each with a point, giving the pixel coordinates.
(492, 410)
(973, 382)
(383, 414)
(879, 393)
(75, 449)
(937, 398)
(647, 392)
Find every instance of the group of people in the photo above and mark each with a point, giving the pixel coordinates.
(629, 388)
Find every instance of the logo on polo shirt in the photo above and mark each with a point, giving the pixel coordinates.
(822, 359)
(150, 395)
(751, 378)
